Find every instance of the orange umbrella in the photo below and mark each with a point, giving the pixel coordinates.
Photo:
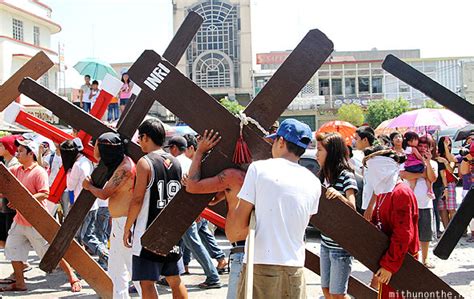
(347, 130)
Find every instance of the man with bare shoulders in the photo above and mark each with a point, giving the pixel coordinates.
(118, 190)
(227, 185)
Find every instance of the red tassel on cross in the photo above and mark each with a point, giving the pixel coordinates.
(242, 153)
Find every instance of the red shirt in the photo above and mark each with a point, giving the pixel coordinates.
(35, 180)
(398, 215)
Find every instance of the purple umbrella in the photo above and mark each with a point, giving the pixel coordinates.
(440, 118)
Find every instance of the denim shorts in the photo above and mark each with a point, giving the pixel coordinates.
(336, 265)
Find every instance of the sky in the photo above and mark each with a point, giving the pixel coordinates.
(119, 30)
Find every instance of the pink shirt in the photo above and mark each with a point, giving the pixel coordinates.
(35, 180)
(126, 91)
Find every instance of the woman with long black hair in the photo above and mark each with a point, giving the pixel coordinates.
(338, 176)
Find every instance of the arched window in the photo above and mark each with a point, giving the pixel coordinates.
(213, 57)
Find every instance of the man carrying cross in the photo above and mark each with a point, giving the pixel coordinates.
(284, 195)
(157, 182)
(110, 149)
(22, 234)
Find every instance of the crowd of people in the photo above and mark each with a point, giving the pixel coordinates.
(89, 92)
(405, 186)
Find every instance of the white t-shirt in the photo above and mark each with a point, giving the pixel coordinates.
(421, 189)
(86, 90)
(54, 167)
(80, 170)
(185, 163)
(285, 195)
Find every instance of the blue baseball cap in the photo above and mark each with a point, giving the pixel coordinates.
(294, 131)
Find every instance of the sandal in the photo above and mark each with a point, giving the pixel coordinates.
(207, 285)
(13, 288)
(223, 270)
(7, 281)
(76, 286)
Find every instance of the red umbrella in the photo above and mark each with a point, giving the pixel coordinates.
(347, 130)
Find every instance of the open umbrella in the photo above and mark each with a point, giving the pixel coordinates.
(382, 128)
(464, 132)
(347, 130)
(439, 118)
(95, 68)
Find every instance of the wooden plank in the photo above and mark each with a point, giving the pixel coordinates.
(456, 228)
(34, 68)
(76, 256)
(428, 86)
(356, 288)
(71, 114)
(173, 54)
(290, 78)
(367, 244)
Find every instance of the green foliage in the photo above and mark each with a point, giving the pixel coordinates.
(233, 106)
(3, 133)
(351, 113)
(378, 111)
(432, 104)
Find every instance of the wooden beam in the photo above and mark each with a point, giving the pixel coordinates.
(456, 228)
(429, 87)
(190, 103)
(367, 244)
(45, 224)
(34, 68)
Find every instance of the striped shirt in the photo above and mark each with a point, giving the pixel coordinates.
(344, 182)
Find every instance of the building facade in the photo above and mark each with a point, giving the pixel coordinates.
(26, 28)
(358, 78)
(219, 58)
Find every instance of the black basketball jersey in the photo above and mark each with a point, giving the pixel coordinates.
(165, 182)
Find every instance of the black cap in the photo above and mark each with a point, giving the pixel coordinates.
(179, 141)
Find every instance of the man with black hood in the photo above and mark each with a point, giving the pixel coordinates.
(110, 149)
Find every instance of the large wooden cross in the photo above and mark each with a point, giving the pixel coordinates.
(80, 120)
(458, 105)
(80, 260)
(201, 111)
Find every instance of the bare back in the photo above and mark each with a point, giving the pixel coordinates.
(124, 177)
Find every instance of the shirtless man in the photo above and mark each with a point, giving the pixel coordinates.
(227, 185)
(118, 190)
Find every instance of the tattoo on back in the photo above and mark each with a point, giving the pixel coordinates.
(118, 177)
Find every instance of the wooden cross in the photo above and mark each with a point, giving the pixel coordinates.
(81, 120)
(201, 111)
(20, 197)
(47, 226)
(463, 108)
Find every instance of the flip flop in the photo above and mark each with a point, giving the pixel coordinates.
(7, 281)
(429, 265)
(207, 285)
(13, 288)
(73, 283)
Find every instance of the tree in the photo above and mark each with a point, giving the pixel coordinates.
(352, 113)
(432, 104)
(378, 111)
(233, 106)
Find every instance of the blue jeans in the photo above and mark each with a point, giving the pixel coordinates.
(186, 255)
(336, 265)
(236, 261)
(193, 242)
(113, 112)
(88, 237)
(86, 106)
(103, 227)
(209, 240)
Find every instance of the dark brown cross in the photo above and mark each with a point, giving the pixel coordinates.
(201, 111)
(182, 97)
(81, 120)
(37, 216)
(458, 105)
(45, 224)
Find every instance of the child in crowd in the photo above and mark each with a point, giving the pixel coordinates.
(414, 162)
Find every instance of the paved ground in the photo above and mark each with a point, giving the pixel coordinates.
(458, 271)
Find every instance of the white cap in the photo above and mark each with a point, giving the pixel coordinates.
(32, 145)
(78, 143)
